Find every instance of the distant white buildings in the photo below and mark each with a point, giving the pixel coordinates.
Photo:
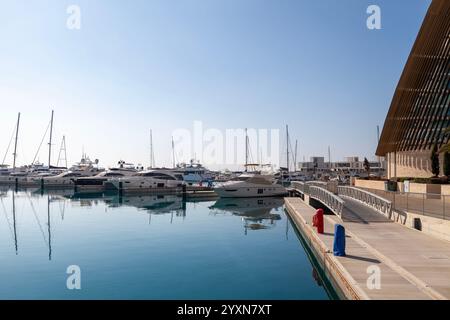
(351, 166)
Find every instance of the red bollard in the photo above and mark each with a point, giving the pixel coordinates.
(318, 221)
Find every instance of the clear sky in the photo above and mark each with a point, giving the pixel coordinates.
(141, 64)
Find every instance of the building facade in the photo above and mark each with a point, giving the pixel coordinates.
(420, 110)
(351, 166)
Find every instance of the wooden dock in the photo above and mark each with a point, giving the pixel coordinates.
(412, 265)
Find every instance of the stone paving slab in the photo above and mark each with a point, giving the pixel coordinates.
(358, 259)
(421, 256)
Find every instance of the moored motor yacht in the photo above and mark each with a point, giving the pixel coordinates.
(65, 179)
(84, 168)
(149, 180)
(97, 182)
(155, 204)
(250, 185)
(256, 213)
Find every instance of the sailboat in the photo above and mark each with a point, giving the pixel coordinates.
(34, 174)
(5, 170)
(85, 168)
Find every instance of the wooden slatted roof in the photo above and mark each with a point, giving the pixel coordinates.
(420, 109)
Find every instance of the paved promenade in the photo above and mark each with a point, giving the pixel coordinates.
(413, 265)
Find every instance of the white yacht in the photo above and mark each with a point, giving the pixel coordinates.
(84, 168)
(155, 204)
(149, 180)
(97, 182)
(13, 176)
(194, 172)
(250, 185)
(5, 173)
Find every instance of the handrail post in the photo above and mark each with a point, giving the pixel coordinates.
(370, 199)
(394, 201)
(444, 206)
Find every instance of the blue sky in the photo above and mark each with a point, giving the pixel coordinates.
(136, 65)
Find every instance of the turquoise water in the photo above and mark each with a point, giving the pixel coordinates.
(150, 247)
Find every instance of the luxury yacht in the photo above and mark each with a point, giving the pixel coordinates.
(193, 172)
(250, 185)
(65, 179)
(97, 182)
(150, 180)
(84, 168)
(256, 208)
(13, 176)
(29, 175)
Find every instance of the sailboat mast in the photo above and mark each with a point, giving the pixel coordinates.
(49, 229)
(287, 147)
(15, 144)
(14, 222)
(173, 153)
(50, 142)
(378, 141)
(329, 158)
(246, 150)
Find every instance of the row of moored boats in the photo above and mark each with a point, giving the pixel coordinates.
(86, 176)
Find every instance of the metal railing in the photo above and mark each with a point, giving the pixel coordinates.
(375, 201)
(304, 186)
(426, 204)
(332, 201)
(300, 186)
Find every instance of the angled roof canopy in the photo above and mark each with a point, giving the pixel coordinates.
(420, 109)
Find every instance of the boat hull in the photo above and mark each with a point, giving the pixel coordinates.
(250, 192)
(146, 185)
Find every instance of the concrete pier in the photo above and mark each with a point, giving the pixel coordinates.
(412, 265)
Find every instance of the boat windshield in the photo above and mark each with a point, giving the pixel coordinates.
(113, 174)
(242, 178)
(156, 175)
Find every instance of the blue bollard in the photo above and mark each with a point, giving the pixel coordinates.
(339, 241)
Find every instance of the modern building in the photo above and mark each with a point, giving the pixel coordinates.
(420, 109)
(350, 166)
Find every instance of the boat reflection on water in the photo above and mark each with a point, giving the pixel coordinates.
(157, 204)
(3, 192)
(256, 213)
(151, 204)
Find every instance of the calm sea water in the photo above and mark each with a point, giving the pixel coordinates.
(150, 247)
